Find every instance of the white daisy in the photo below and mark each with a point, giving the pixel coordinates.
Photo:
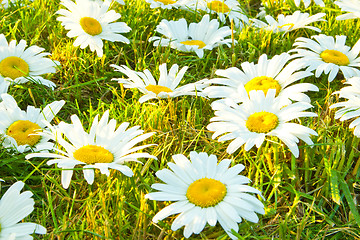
(328, 56)
(289, 23)
(164, 4)
(14, 206)
(90, 22)
(19, 128)
(104, 147)
(19, 64)
(350, 6)
(225, 9)
(259, 116)
(350, 108)
(205, 192)
(266, 74)
(196, 38)
(166, 87)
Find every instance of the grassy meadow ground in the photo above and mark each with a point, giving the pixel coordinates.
(311, 197)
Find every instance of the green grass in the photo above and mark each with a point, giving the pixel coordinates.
(312, 197)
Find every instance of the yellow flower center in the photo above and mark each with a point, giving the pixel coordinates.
(206, 192)
(287, 24)
(263, 83)
(157, 89)
(90, 26)
(166, 2)
(334, 56)
(218, 6)
(21, 131)
(13, 67)
(199, 43)
(262, 122)
(91, 154)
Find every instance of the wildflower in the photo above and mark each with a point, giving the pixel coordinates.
(257, 117)
(351, 107)
(328, 56)
(14, 206)
(205, 191)
(290, 22)
(198, 37)
(19, 64)
(350, 6)
(91, 22)
(165, 87)
(104, 147)
(20, 128)
(266, 74)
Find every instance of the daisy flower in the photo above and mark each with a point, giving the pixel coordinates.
(266, 74)
(20, 128)
(91, 22)
(104, 147)
(205, 192)
(230, 9)
(164, 4)
(350, 108)
(327, 55)
(166, 87)
(350, 6)
(14, 206)
(19, 64)
(290, 22)
(259, 116)
(198, 37)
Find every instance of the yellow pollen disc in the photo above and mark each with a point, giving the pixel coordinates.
(166, 2)
(90, 26)
(287, 24)
(218, 6)
(262, 122)
(206, 192)
(91, 154)
(13, 67)
(336, 57)
(263, 83)
(199, 43)
(157, 89)
(21, 130)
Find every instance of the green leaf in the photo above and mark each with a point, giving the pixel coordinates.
(345, 189)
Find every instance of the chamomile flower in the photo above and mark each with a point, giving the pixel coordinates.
(205, 191)
(327, 55)
(257, 117)
(104, 147)
(289, 23)
(164, 4)
(14, 206)
(225, 9)
(20, 128)
(198, 37)
(266, 74)
(19, 64)
(350, 6)
(351, 107)
(165, 87)
(91, 22)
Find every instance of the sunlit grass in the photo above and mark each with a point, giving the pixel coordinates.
(315, 196)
